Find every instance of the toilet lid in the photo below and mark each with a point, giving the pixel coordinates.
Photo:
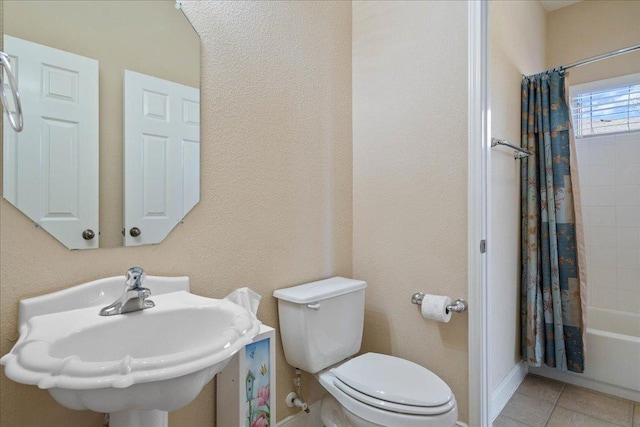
(394, 380)
(393, 407)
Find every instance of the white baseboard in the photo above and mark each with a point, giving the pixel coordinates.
(581, 381)
(302, 419)
(501, 395)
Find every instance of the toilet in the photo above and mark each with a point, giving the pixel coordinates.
(321, 328)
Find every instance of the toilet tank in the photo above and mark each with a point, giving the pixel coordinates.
(321, 322)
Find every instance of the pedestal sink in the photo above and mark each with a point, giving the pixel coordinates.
(135, 366)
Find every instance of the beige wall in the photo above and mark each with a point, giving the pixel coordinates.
(276, 188)
(590, 28)
(166, 46)
(410, 178)
(517, 47)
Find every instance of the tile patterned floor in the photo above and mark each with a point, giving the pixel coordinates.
(541, 402)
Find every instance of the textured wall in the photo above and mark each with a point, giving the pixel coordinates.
(590, 28)
(517, 47)
(410, 178)
(276, 187)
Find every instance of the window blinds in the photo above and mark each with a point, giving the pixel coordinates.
(605, 111)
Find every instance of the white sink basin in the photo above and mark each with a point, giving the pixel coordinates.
(136, 366)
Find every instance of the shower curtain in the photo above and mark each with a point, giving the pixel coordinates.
(553, 264)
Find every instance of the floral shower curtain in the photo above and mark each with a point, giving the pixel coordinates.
(553, 265)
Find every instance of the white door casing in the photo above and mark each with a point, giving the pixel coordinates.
(161, 156)
(478, 197)
(51, 167)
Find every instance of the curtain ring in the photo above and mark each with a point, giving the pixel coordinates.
(16, 125)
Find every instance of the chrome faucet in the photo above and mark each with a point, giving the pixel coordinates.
(134, 296)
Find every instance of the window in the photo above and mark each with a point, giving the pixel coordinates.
(606, 106)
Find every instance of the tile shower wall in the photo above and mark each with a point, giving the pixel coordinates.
(609, 170)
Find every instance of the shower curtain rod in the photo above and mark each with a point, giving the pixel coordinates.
(603, 56)
(595, 58)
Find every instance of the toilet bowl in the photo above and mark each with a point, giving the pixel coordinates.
(380, 390)
(346, 418)
(331, 412)
(321, 327)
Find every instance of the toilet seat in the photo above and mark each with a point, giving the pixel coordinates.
(390, 406)
(393, 384)
(444, 416)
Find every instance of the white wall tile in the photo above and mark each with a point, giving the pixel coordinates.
(605, 298)
(628, 237)
(587, 234)
(603, 256)
(603, 154)
(609, 168)
(585, 195)
(628, 279)
(603, 236)
(627, 174)
(603, 216)
(585, 176)
(584, 154)
(627, 195)
(627, 257)
(603, 195)
(602, 175)
(627, 216)
(627, 152)
(603, 277)
(628, 137)
(586, 216)
(629, 301)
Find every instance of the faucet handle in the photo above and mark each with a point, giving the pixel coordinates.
(135, 276)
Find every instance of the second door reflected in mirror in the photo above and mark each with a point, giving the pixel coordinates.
(84, 158)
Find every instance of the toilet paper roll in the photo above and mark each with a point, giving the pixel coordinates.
(434, 307)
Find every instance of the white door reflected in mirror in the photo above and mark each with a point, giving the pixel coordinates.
(161, 156)
(51, 167)
(50, 173)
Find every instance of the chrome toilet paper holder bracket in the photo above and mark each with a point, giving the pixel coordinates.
(458, 306)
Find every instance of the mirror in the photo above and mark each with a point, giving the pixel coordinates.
(109, 154)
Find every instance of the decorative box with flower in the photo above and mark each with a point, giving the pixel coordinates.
(244, 388)
(258, 405)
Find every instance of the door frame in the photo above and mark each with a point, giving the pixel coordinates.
(479, 122)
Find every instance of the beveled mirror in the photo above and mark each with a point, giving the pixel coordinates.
(109, 153)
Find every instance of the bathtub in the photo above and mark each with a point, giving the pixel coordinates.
(612, 355)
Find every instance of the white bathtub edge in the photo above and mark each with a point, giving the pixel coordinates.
(576, 379)
(507, 387)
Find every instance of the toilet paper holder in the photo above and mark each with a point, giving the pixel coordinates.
(458, 306)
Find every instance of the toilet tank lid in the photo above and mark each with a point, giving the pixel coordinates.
(320, 290)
